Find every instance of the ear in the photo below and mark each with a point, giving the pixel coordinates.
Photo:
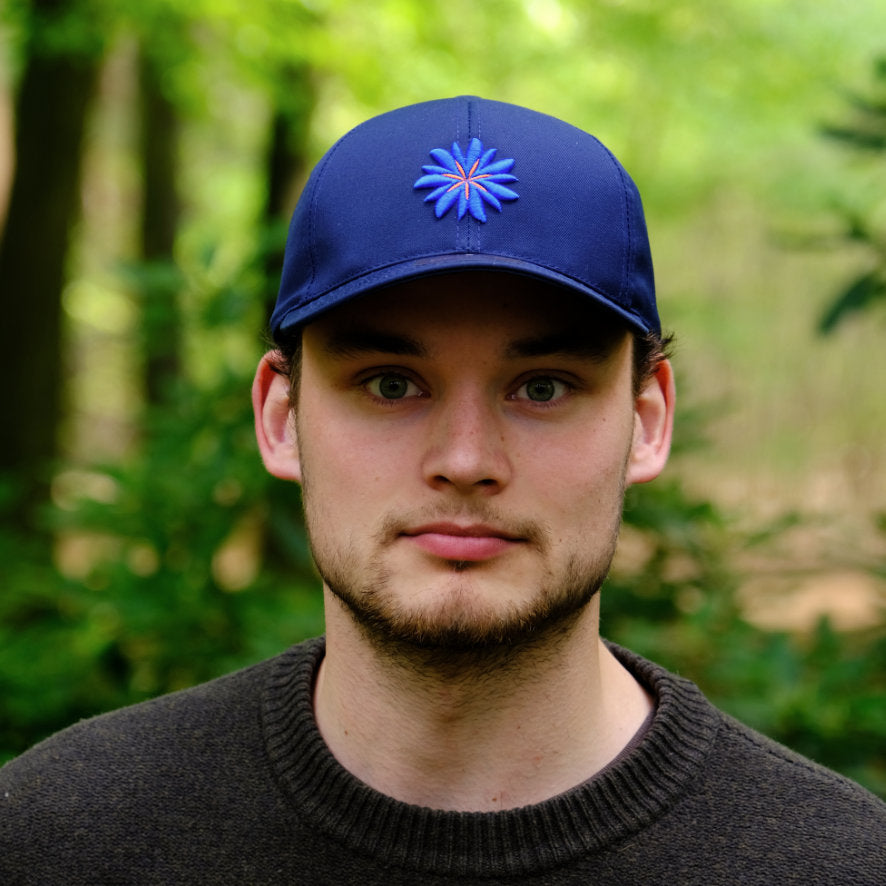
(653, 426)
(274, 421)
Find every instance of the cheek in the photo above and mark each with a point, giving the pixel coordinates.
(352, 466)
(583, 472)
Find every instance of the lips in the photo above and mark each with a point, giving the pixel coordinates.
(451, 541)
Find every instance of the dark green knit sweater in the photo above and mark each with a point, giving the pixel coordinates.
(230, 783)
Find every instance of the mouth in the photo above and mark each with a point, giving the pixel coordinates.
(463, 543)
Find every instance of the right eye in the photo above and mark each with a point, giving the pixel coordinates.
(391, 386)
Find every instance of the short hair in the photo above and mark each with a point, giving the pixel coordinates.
(650, 350)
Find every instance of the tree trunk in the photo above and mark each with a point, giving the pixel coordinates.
(161, 282)
(50, 114)
(284, 542)
(286, 164)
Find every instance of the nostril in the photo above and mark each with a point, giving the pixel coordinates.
(486, 482)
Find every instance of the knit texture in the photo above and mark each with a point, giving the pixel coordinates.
(231, 783)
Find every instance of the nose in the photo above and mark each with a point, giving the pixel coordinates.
(466, 447)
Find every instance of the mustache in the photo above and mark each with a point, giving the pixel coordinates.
(535, 532)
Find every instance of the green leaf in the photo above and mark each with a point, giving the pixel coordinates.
(859, 295)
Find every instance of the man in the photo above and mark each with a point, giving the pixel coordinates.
(470, 370)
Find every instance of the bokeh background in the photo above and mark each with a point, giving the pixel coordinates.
(150, 155)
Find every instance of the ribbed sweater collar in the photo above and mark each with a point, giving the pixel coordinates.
(612, 806)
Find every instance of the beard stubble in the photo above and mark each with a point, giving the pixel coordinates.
(460, 632)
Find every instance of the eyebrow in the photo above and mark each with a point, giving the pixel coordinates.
(358, 341)
(354, 342)
(586, 346)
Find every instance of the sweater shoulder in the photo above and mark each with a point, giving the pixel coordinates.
(96, 740)
(145, 788)
(743, 763)
(756, 811)
(772, 768)
(130, 751)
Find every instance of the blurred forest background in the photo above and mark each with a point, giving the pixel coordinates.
(150, 155)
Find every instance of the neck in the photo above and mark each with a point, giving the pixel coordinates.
(475, 732)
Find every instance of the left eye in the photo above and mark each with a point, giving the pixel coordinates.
(542, 389)
(392, 387)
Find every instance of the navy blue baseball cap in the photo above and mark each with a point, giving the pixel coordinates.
(467, 183)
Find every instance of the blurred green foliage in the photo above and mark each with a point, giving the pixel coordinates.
(863, 223)
(144, 602)
(176, 557)
(821, 694)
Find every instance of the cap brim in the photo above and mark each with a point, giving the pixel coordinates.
(445, 264)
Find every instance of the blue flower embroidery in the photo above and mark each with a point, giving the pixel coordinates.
(470, 179)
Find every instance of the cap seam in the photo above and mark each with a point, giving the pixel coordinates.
(624, 295)
(466, 231)
(473, 120)
(319, 175)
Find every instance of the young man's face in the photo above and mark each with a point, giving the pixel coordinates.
(463, 443)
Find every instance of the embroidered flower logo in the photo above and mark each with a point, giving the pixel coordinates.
(470, 180)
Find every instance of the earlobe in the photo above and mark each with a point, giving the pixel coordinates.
(653, 426)
(274, 424)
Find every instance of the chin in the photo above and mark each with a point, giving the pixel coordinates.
(455, 619)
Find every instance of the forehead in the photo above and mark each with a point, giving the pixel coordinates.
(504, 307)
